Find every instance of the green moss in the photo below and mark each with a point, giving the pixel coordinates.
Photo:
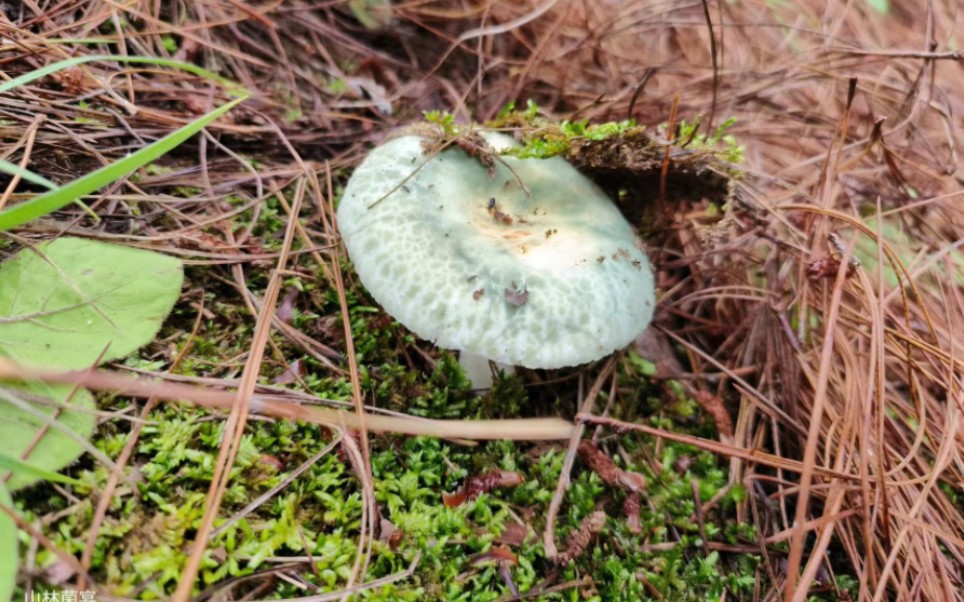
(725, 145)
(320, 512)
(142, 545)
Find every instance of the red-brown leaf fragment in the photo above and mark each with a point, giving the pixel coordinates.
(607, 470)
(578, 541)
(497, 554)
(827, 267)
(598, 462)
(632, 481)
(631, 508)
(513, 534)
(476, 147)
(504, 558)
(272, 461)
(293, 373)
(286, 311)
(390, 534)
(715, 408)
(482, 483)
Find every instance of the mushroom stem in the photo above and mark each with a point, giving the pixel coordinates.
(477, 369)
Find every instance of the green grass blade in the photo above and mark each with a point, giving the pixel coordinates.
(39, 180)
(9, 558)
(81, 40)
(56, 199)
(46, 70)
(26, 175)
(17, 465)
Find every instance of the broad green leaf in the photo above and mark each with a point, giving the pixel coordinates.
(56, 449)
(53, 200)
(19, 467)
(8, 547)
(72, 302)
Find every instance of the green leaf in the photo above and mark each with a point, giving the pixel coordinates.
(72, 303)
(56, 449)
(8, 547)
(26, 175)
(17, 466)
(55, 199)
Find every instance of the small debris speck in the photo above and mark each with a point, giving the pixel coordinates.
(516, 297)
(497, 213)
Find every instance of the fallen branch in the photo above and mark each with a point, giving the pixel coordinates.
(523, 429)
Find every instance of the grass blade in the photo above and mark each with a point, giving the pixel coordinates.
(46, 70)
(26, 175)
(55, 199)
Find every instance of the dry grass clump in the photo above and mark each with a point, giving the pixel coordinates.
(849, 119)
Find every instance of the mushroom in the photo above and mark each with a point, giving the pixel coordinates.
(525, 263)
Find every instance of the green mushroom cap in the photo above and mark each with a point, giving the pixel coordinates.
(469, 261)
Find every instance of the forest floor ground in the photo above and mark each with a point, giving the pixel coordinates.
(791, 426)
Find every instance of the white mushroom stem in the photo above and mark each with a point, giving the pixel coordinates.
(477, 369)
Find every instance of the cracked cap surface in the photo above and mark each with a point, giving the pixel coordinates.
(470, 262)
